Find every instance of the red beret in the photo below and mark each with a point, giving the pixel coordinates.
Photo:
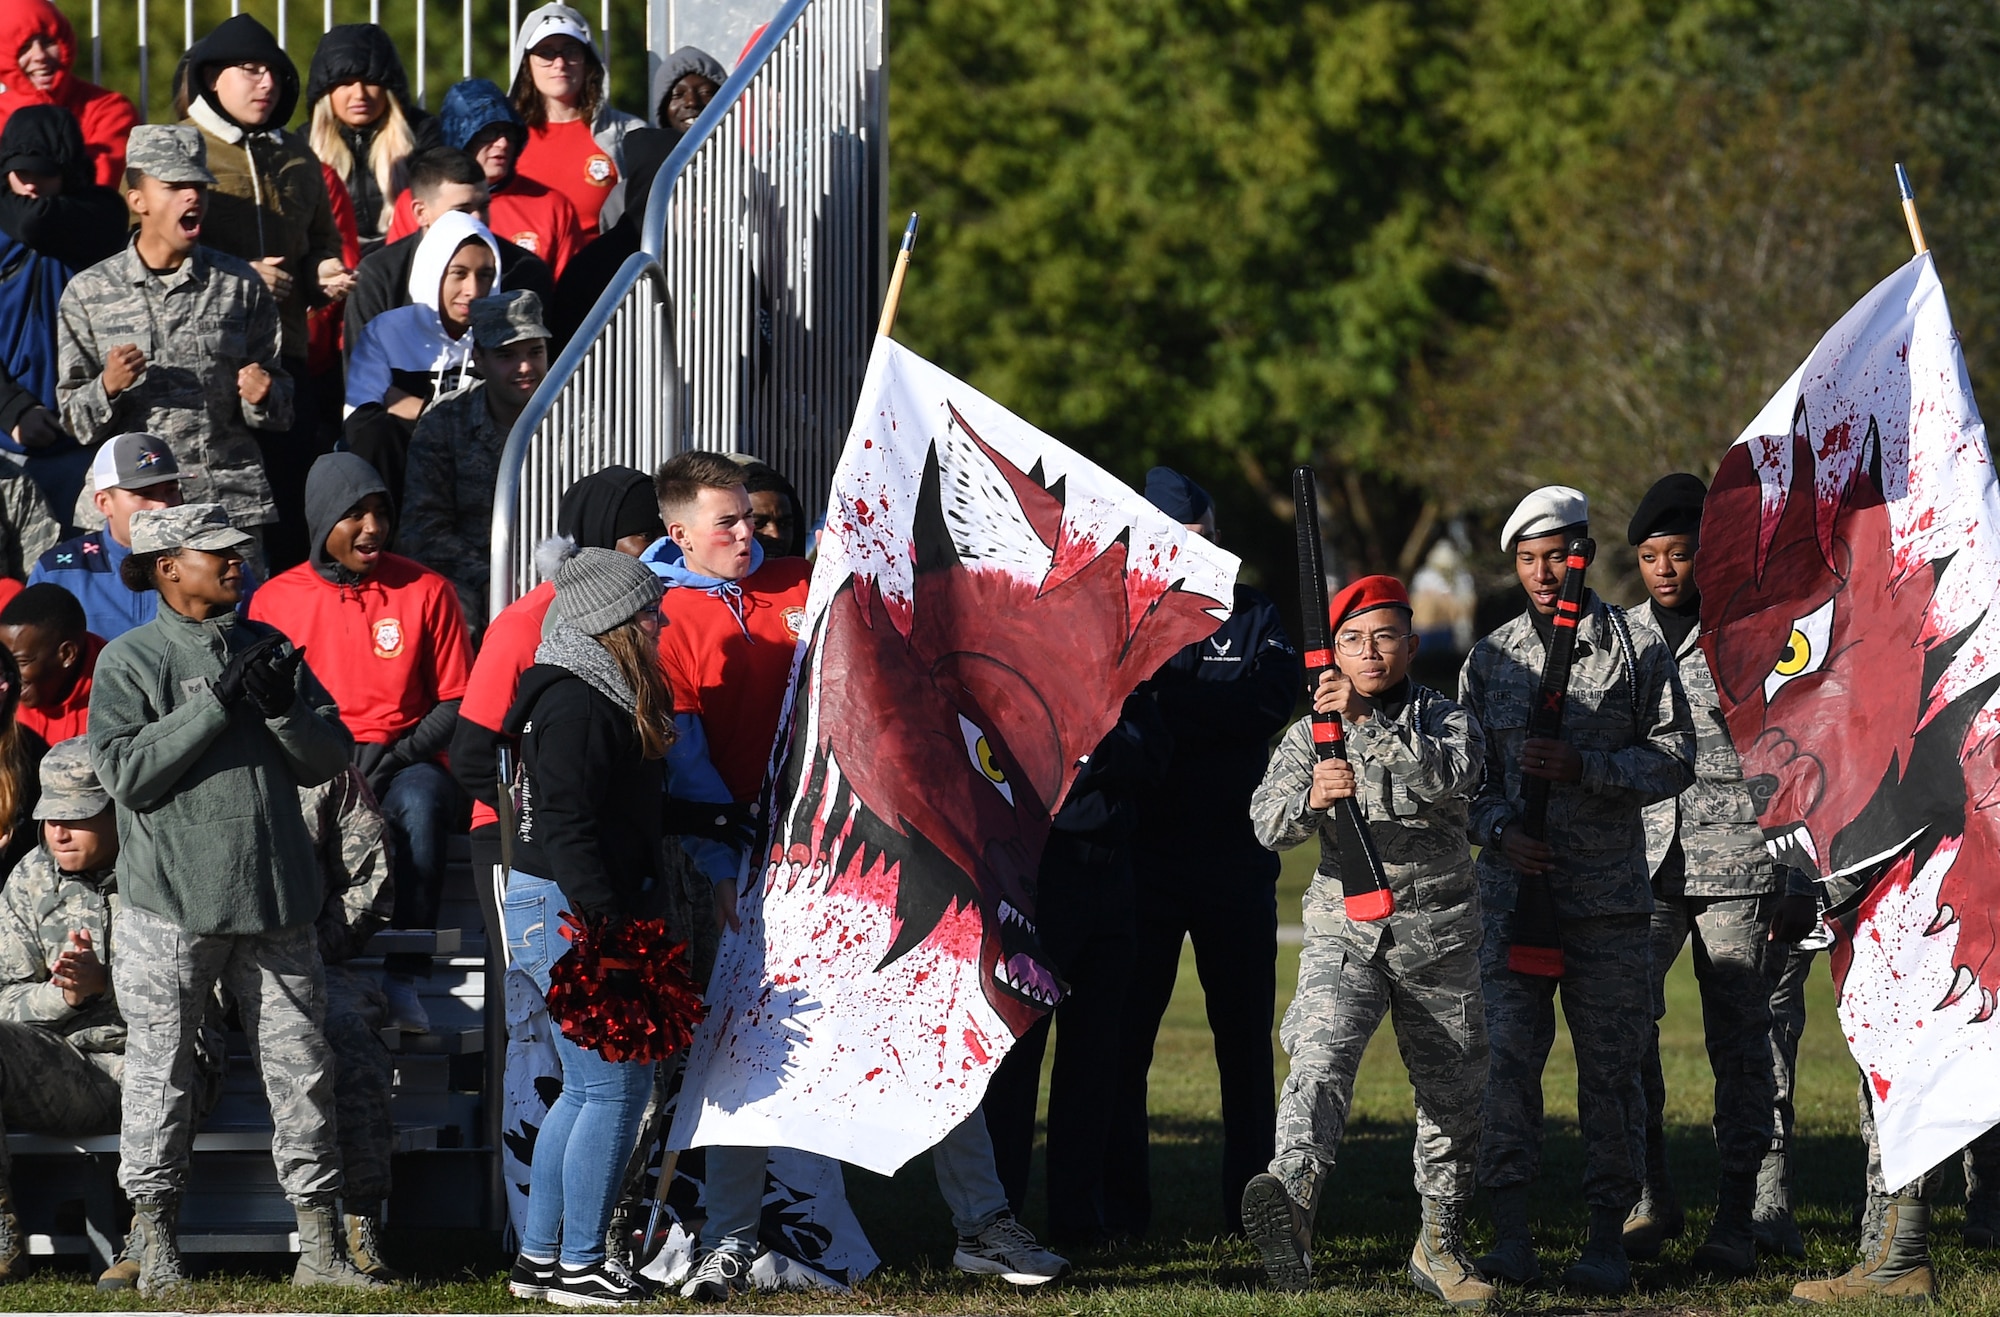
(1368, 593)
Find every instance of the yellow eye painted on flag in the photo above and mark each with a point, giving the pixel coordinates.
(1805, 650)
(980, 750)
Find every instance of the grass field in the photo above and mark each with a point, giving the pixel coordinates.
(1366, 1226)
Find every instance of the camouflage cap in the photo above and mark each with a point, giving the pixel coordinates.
(170, 152)
(70, 789)
(507, 317)
(189, 526)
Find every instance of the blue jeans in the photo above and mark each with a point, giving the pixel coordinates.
(581, 1151)
(418, 807)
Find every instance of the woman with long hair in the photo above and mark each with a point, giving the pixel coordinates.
(576, 141)
(361, 122)
(594, 718)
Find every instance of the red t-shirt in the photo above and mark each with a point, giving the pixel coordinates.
(72, 716)
(565, 157)
(506, 651)
(527, 214)
(388, 649)
(736, 683)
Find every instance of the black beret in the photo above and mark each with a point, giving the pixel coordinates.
(1671, 507)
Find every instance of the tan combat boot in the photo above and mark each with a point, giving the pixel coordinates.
(1895, 1264)
(363, 1228)
(155, 1247)
(1281, 1230)
(322, 1261)
(1438, 1263)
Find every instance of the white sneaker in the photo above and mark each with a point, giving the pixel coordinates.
(406, 1009)
(1007, 1249)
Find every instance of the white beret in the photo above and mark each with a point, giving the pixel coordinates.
(1544, 512)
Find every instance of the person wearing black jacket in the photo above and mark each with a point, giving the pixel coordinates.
(1084, 914)
(441, 180)
(54, 221)
(362, 122)
(591, 270)
(1208, 879)
(594, 717)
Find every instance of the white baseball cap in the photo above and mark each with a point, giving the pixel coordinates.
(556, 20)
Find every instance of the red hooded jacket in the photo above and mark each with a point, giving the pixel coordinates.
(107, 118)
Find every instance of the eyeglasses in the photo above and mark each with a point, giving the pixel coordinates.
(565, 54)
(1360, 642)
(255, 70)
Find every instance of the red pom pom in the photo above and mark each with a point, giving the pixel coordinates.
(624, 990)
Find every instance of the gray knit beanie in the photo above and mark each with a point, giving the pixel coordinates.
(599, 589)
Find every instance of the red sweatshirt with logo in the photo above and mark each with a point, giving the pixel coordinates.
(389, 648)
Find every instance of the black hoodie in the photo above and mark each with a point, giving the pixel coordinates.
(82, 226)
(363, 52)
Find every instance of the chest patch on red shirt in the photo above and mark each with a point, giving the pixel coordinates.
(795, 621)
(388, 638)
(598, 169)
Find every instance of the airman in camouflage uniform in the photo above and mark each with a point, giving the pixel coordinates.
(1415, 759)
(62, 1040)
(1627, 741)
(1713, 881)
(455, 456)
(202, 330)
(351, 842)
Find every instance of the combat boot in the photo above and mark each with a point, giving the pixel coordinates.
(1771, 1220)
(1281, 1230)
(1731, 1246)
(1982, 1221)
(13, 1247)
(322, 1261)
(1438, 1263)
(155, 1246)
(1898, 1266)
(1657, 1216)
(1512, 1257)
(363, 1226)
(1602, 1267)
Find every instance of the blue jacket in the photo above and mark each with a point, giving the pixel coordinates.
(87, 567)
(1224, 699)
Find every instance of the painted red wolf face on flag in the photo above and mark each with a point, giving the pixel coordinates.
(1850, 558)
(983, 604)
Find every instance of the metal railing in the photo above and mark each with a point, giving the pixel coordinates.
(762, 260)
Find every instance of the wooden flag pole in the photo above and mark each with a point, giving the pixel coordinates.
(895, 296)
(1910, 209)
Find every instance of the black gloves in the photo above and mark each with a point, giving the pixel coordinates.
(273, 684)
(233, 684)
(731, 823)
(38, 428)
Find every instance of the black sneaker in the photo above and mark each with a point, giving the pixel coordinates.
(530, 1279)
(718, 1273)
(606, 1284)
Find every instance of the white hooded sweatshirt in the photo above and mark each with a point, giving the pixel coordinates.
(411, 340)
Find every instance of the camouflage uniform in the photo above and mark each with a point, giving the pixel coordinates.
(448, 494)
(1628, 718)
(352, 844)
(197, 326)
(1714, 880)
(59, 1065)
(27, 528)
(1416, 765)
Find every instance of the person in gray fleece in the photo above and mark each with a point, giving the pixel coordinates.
(203, 728)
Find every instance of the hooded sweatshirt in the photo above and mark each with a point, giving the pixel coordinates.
(408, 348)
(521, 211)
(269, 197)
(392, 643)
(43, 243)
(106, 117)
(686, 60)
(363, 52)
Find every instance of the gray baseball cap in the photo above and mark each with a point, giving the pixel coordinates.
(189, 526)
(507, 317)
(170, 152)
(134, 461)
(70, 789)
